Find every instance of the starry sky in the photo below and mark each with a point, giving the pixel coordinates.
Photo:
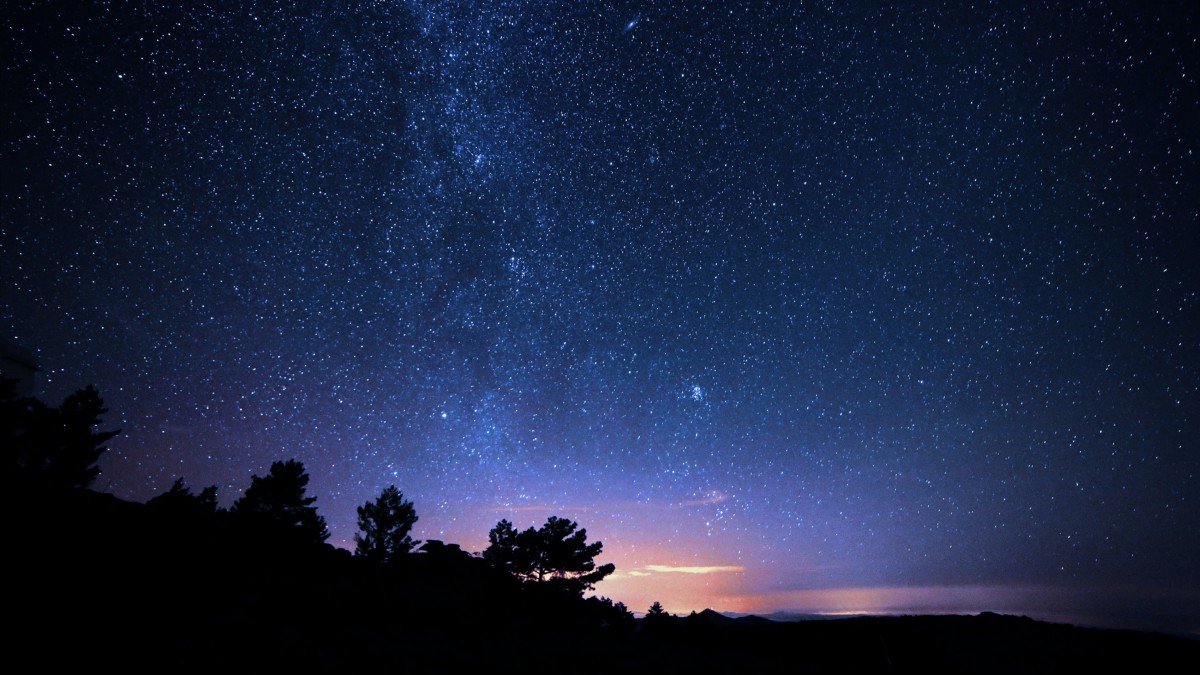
(810, 306)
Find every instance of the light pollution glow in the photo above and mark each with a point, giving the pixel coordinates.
(691, 573)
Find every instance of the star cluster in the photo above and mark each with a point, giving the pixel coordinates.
(773, 298)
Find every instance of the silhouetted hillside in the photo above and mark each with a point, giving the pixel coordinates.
(95, 575)
(97, 579)
(178, 583)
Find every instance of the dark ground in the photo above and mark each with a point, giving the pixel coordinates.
(97, 581)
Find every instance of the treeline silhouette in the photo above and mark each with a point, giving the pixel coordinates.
(180, 584)
(258, 580)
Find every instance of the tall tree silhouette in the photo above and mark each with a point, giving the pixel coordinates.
(277, 500)
(505, 553)
(385, 524)
(556, 555)
(52, 448)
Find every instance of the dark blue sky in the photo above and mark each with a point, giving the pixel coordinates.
(780, 300)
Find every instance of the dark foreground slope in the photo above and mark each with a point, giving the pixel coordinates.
(986, 643)
(95, 580)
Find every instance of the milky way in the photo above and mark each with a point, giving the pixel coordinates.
(776, 299)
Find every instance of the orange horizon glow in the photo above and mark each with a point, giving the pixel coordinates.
(691, 572)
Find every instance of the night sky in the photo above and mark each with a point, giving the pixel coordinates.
(820, 306)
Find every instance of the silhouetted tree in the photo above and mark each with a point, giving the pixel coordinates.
(385, 524)
(503, 551)
(614, 615)
(48, 447)
(659, 621)
(278, 499)
(555, 555)
(179, 499)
